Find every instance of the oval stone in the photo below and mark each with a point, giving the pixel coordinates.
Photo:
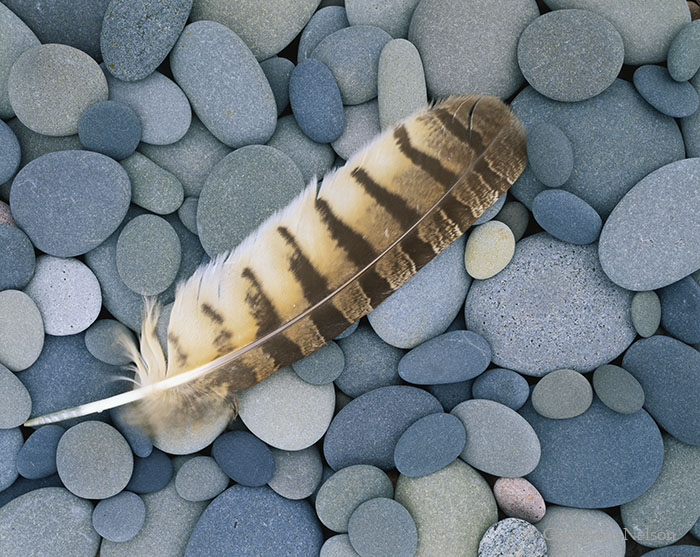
(646, 312)
(562, 394)
(37, 457)
(394, 16)
(325, 21)
(490, 248)
(502, 385)
(15, 38)
(297, 474)
(566, 216)
(683, 59)
(401, 88)
(278, 70)
(673, 98)
(618, 389)
(152, 187)
(21, 330)
(680, 310)
(518, 498)
(151, 473)
(119, 518)
(322, 366)
(382, 526)
(361, 127)
(15, 403)
(244, 458)
(516, 216)
(338, 546)
(17, 259)
(200, 479)
(110, 128)
(549, 154)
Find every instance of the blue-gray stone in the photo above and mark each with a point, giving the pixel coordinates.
(17, 258)
(188, 214)
(451, 394)
(367, 429)
(600, 458)
(646, 312)
(69, 202)
(278, 70)
(448, 358)
(516, 216)
(315, 100)
(110, 128)
(676, 551)
(618, 389)
(429, 445)
(566, 216)
(200, 479)
(683, 59)
(103, 340)
(10, 153)
(15, 403)
(394, 16)
(673, 98)
(11, 441)
(325, 21)
(666, 369)
(361, 127)
(119, 518)
(255, 521)
(244, 458)
(23, 485)
(680, 310)
(135, 435)
(338, 546)
(502, 385)
(549, 154)
(297, 473)
(383, 526)
(137, 36)
(323, 366)
(37, 457)
(21, 330)
(562, 394)
(151, 473)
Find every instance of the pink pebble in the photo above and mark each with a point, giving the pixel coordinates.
(518, 498)
(5, 215)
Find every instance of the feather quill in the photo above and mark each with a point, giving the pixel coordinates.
(327, 259)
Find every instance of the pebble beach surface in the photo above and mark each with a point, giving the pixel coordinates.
(533, 391)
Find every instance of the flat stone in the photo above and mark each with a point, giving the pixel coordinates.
(15, 403)
(338, 546)
(382, 526)
(515, 536)
(323, 366)
(188, 213)
(297, 473)
(244, 458)
(16, 37)
(361, 126)
(325, 21)
(110, 128)
(17, 258)
(21, 330)
(516, 216)
(646, 312)
(680, 310)
(10, 152)
(200, 479)
(191, 435)
(518, 498)
(673, 98)
(37, 457)
(10, 444)
(401, 88)
(490, 247)
(394, 16)
(278, 70)
(549, 154)
(152, 187)
(119, 518)
(683, 53)
(562, 394)
(502, 385)
(618, 389)
(151, 473)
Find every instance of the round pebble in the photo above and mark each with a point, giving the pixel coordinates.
(97, 473)
(244, 458)
(325, 21)
(188, 213)
(37, 457)
(646, 312)
(382, 526)
(338, 546)
(21, 330)
(684, 52)
(513, 536)
(361, 126)
(50, 86)
(680, 310)
(516, 216)
(119, 518)
(664, 94)
(490, 248)
(67, 294)
(549, 154)
(566, 216)
(321, 367)
(15, 403)
(10, 153)
(562, 394)
(151, 473)
(17, 258)
(502, 385)
(518, 498)
(103, 340)
(192, 434)
(297, 473)
(618, 389)
(200, 479)
(110, 128)
(278, 70)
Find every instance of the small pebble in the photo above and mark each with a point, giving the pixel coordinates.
(188, 214)
(646, 312)
(21, 330)
(338, 546)
(361, 127)
(382, 526)
(119, 518)
(151, 473)
(244, 458)
(566, 216)
(103, 340)
(297, 473)
(323, 366)
(518, 498)
(110, 128)
(37, 457)
(6, 215)
(680, 310)
(15, 402)
(490, 248)
(200, 479)
(549, 154)
(10, 152)
(514, 536)
(17, 259)
(618, 389)
(278, 70)
(516, 216)
(502, 385)
(684, 52)
(663, 93)
(325, 21)
(562, 394)
(152, 187)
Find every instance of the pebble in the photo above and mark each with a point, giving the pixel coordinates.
(426, 305)
(10, 444)
(465, 511)
(136, 436)
(490, 248)
(137, 36)
(191, 435)
(471, 47)
(570, 55)
(491, 211)
(618, 389)
(244, 458)
(429, 444)
(666, 369)
(625, 461)
(192, 256)
(22, 486)
(243, 190)
(37, 457)
(297, 473)
(119, 518)
(10, 152)
(225, 85)
(278, 70)
(451, 394)
(256, 521)
(684, 52)
(566, 216)
(516, 216)
(680, 310)
(401, 88)
(549, 154)
(100, 472)
(50, 86)
(361, 126)
(21, 330)
(48, 522)
(325, 21)
(514, 536)
(110, 128)
(646, 312)
(562, 394)
(394, 16)
(103, 340)
(518, 498)
(448, 358)
(675, 551)
(382, 526)
(188, 214)
(673, 98)
(17, 259)
(338, 546)
(67, 294)
(200, 479)
(5, 214)
(503, 386)
(579, 318)
(346, 490)
(581, 533)
(352, 55)
(322, 366)
(151, 473)
(43, 201)
(286, 412)
(15, 403)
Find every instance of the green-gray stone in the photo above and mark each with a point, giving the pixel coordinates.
(645, 311)
(15, 402)
(618, 389)
(581, 533)
(21, 330)
(102, 340)
(516, 216)
(152, 187)
(188, 214)
(562, 394)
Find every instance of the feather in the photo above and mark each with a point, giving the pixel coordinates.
(327, 259)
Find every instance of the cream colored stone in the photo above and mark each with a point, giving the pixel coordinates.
(490, 248)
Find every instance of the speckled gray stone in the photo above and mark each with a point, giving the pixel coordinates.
(401, 88)
(670, 97)
(119, 518)
(322, 366)
(646, 312)
(297, 473)
(516, 216)
(381, 526)
(338, 546)
(618, 389)
(200, 479)
(684, 53)
(152, 187)
(187, 214)
(394, 16)
(10, 444)
(361, 126)
(278, 70)
(325, 21)
(102, 341)
(21, 330)
(562, 394)
(512, 536)
(15, 38)
(17, 259)
(15, 403)
(10, 153)
(549, 154)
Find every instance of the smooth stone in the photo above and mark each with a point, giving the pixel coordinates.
(241, 192)
(352, 55)
(394, 16)
(51, 85)
(327, 20)
(499, 441)
(162, 326)
(297, 473)
(244, 458)
(665, 512)
(136, 435)
(21, 330)
(503, 386)
(192, 256)
(490, 247)
(667, 370)
(684, 53)
(119, 518)
(11, 441)
(467, 47)
(570, 55)
(278, 70)
(23, 485)
(581, 533)
(44, 201)
(566, 216)
(188, 213)
(618, 389)
(518, 498)
(491, 211)
(137, 36)
(50, 522)
(338, 546)
(370, 363)
(151, 473)
(286, 412)
(256, 521)
(200, 479)
(37, 457)
(562, 394)
(680, 310)
(516, 216)
(315, 100)
(613, 145)
(549, 154)
(5, 214)
(429, 445)
(191, 435)
(93, 460)
(673, 98)
(426, 305)
(67, 294)
(579, 318)
(514, 536)
(401, 88)
(10, 152)
(646, 312)
(15, 38)
(626, 460)
(15, 402)
(448, 358)
(224, 83)
(361, 126)
(313, 159)
(103, 340)
(451, 394)
(455, 525)
(382, 526)
(323, 366)
(110, 128)
(17, 259)
(347, 489)
(367, 429)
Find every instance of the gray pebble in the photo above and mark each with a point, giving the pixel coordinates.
(361, 126)
(322, 366)
(21, 330)
(381, 526)
(562, 394)
(5, 214)
(516, 216)
(512, 536)
(10, 153)
(152, 187)
(618, 389)
(15, 39)
(188, 214)
(325, 21)
(15, 402)
(645, 312)
(278, 71)
(103, 340)
(338, 546)
(200, 479)
(549, 154)
(297, 473)
(17, 259)
(119, 518)
(394, 16)
(11, 441)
